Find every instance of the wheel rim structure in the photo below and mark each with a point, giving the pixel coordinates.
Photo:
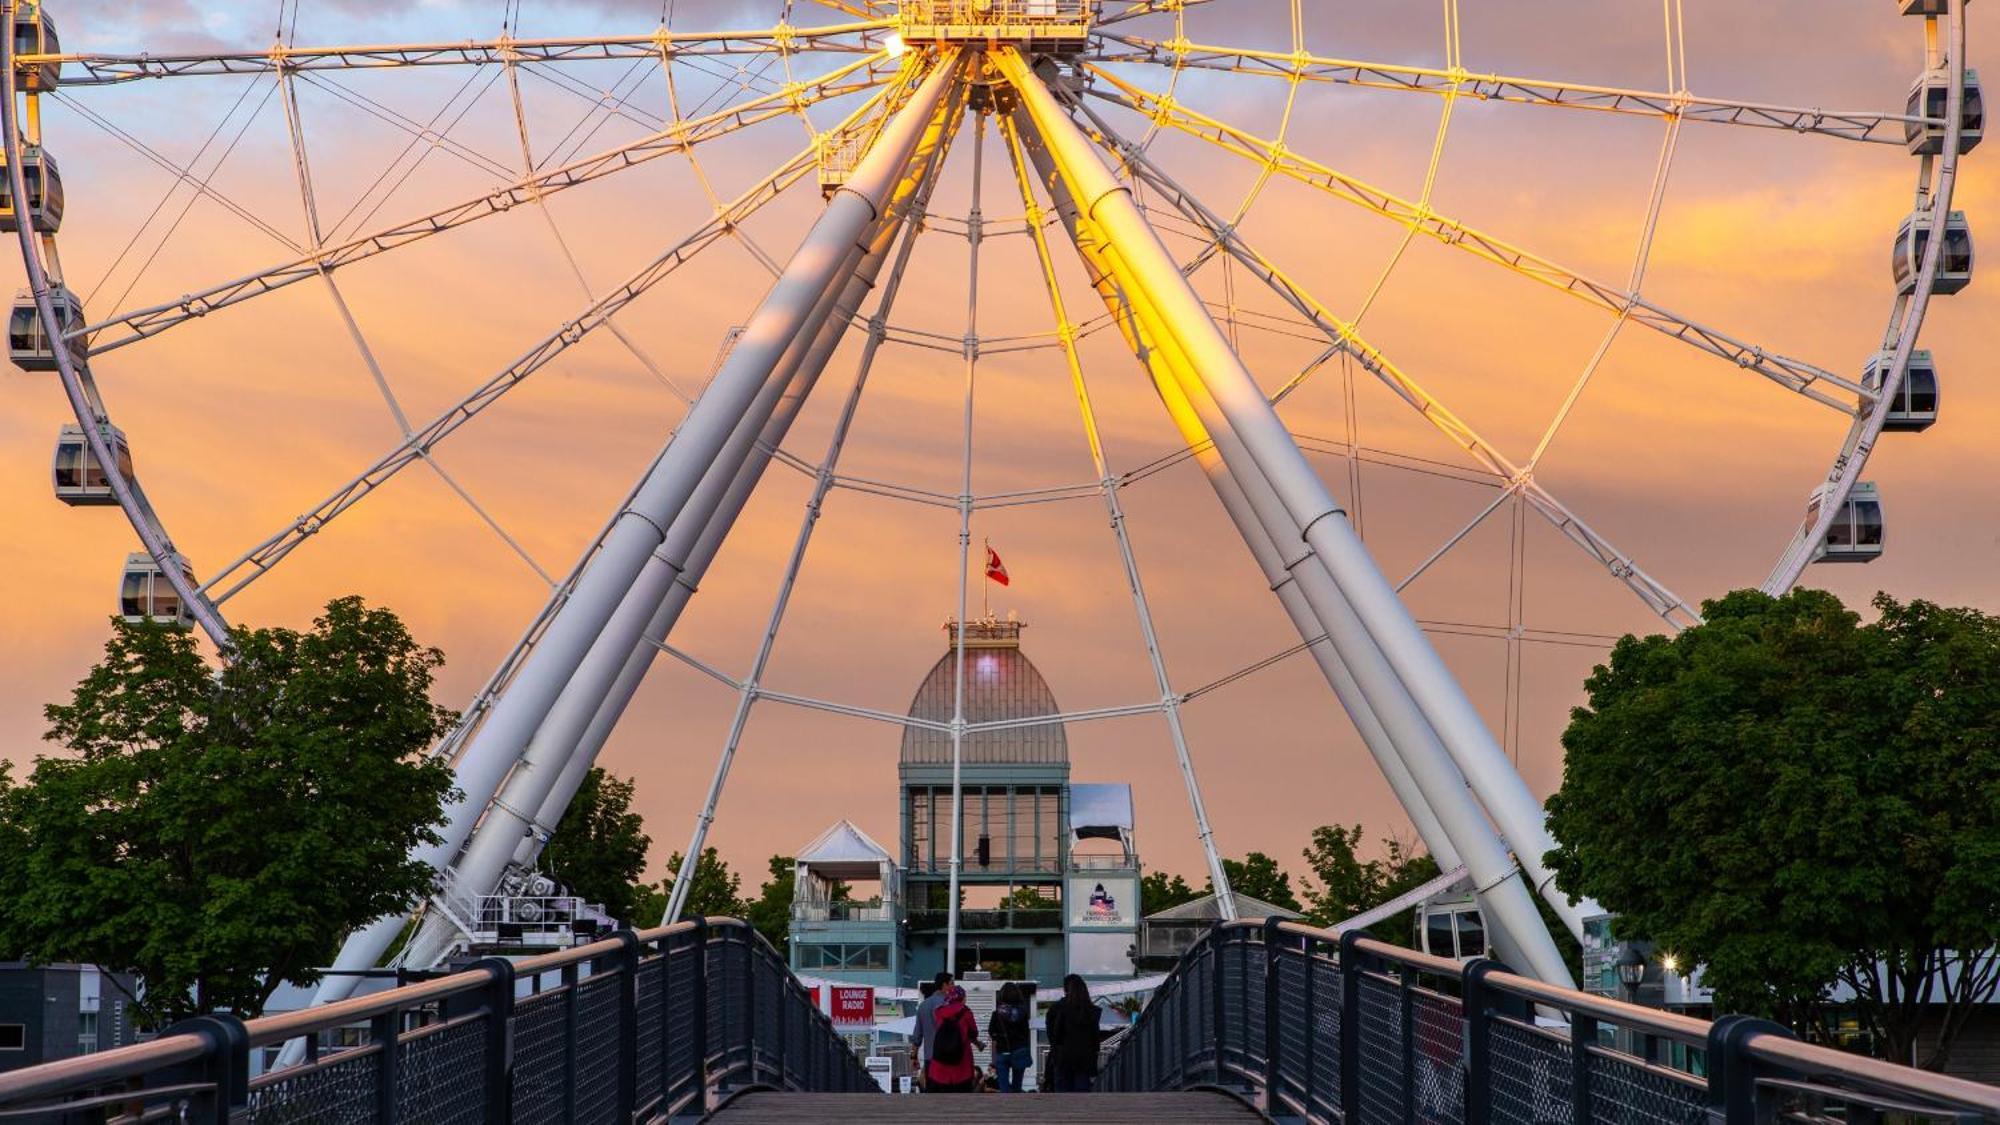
(907, 73)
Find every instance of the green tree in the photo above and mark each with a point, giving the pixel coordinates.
(1795, 800)
(771, 911)
(598, 850)
(1342, 884)
(1160, 891)
(218, 832)
(1258, 876)
(713, 893)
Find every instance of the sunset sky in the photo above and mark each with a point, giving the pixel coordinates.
(241, 420)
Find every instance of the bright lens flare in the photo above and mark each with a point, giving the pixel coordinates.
(894, 45)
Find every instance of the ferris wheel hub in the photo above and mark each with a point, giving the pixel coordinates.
(1054, 26)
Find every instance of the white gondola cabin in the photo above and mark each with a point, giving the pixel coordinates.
(1855, 535)
(1929, 99)
(80, 479)
(28, 345)
(1913, 238)
(35, 34)
(1451, 926)
(145, 595)
(1914, 405)
(45, 192)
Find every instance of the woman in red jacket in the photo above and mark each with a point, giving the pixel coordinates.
(951, 1069)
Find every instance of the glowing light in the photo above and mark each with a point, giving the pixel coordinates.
(1670, 963)
(894, 45)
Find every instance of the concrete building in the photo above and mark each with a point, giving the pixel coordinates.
(1049, 873)
(51, 1012)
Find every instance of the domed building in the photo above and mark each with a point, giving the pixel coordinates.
(1033, 904)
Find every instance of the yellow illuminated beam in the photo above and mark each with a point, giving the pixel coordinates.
(1794, 375)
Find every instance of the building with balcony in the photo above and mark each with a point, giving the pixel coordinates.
(1049, 873)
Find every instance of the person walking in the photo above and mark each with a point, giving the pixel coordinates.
(954, 1036)
(1008, 1028)
(926, 1022)
(1074, 1036)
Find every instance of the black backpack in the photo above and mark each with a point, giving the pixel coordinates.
(948, 1042)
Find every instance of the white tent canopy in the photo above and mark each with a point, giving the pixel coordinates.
(846, 852)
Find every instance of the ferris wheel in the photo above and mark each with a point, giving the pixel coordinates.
(1065, 121)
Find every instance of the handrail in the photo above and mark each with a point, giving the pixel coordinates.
(1325, 1026)
(692, 1000)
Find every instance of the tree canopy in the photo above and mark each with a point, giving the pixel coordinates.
(713, 894)
(598, 850)
(1259, 876)
(1794, 800)
(771, 911)
(1342, 884)
(217, 833)
(1160, 891)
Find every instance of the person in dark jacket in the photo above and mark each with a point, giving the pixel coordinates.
(1008, 1029)
(1073, 1038)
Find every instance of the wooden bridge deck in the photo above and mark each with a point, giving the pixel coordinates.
(764, 1108)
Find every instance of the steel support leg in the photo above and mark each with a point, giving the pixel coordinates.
(1225, 898)
(931, 154)
(1173, 320)
(816, 269)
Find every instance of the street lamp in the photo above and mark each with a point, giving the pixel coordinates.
(1631, 974)
(1632, 971)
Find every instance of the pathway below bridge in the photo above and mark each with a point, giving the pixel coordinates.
(770, 1108)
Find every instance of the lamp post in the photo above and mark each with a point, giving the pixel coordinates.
(1631, 974)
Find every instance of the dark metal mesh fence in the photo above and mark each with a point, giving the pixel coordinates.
(1531, 1076)
(624, 1029)
(1438, 1058)
(541, 1057)
(1625, 1091)
(1324, 1080)
(1294, 1017)
(650, 1008)
(441, 1073)
(338, 1088)
(1382, 1073)
(595, 1040)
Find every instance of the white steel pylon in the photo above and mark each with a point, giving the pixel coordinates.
(1298, 512)
(825, 258)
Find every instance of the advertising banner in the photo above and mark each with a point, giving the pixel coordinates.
(1098, 902)
(852, 1007)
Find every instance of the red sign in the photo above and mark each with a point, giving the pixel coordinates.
(853, 1007)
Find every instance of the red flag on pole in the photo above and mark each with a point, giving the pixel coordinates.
(995, 569)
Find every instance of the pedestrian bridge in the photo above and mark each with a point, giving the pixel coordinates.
(703, 1020)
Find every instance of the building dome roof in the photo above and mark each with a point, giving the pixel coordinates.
(1000, 683)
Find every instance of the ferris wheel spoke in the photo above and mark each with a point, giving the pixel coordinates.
(1618, 564)
(101, 69)
(1813, 383)
(602, 105)
(1851, 125)
(426, 133)
(611, 324)
(183, 175)
(260, 559)
(131, 327)
(1134, 9)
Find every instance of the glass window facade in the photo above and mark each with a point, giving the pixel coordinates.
(1022, 827)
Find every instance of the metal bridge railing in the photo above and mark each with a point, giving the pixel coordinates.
(1310, 1025)
(638, 1027)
